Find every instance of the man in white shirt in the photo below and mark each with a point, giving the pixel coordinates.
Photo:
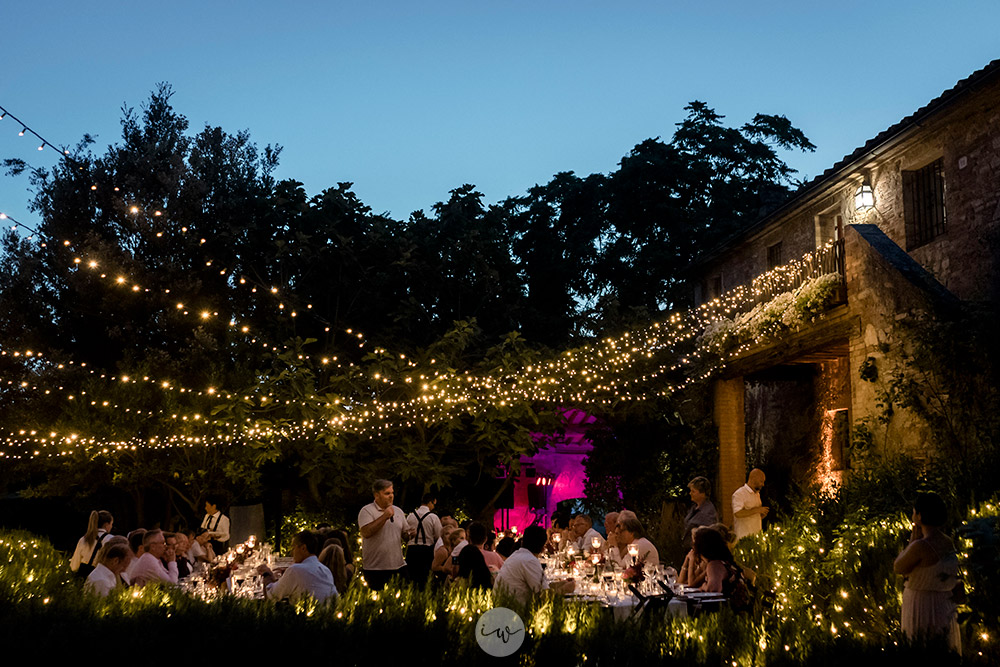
(383, 529)
(111, 563)
(425, 528)
(217, 525)
(583, 529)
(631, 532)
(521, 575)
(306, 577)
(747, 507)
(149, 568)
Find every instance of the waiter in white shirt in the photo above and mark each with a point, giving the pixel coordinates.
(425, 529)
(216, 524)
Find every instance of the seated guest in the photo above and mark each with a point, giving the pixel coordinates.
(610, 529)
(474, 560)
(135, 544)
(441, 565)
(149, 568)
(721, 571)
(477, 537)
(702, 512)
(585, 533)
(560, 533)
(457, 549)
(521, 575)
(614, 538)
(693, 570)
(472, 568)
(201, 547)
(630, 531)
(332, 556)
(307, 576)
(181, 549)
(506, 546)
(348, 553)
(171, 539)
(111, 563)
(448, 524)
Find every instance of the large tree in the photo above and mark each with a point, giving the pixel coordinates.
(178, 290)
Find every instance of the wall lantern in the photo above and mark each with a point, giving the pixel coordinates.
(864, 198)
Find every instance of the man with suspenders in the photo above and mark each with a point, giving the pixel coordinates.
(216, 524)
(426, 529)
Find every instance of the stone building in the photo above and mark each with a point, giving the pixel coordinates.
(910, 221)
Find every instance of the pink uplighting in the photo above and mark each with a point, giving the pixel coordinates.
(557, 474)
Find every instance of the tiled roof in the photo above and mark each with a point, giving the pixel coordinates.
(934, 106)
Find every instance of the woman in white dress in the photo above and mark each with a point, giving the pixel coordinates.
(930, 565)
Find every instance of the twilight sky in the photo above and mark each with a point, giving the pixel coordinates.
(409, 100)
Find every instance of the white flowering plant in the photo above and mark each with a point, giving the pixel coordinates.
(788, 311)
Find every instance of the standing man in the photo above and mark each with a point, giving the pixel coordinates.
(747, 507)
(383, 529)
(216, 524)
(702, 512)
(425, 528)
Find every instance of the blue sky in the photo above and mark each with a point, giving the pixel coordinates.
(409, 100)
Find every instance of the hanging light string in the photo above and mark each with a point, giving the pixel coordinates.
(591, 374)
(296, 308)
(16, 223)
(5, 114)
(602, 372)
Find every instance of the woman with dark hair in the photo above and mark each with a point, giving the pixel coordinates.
(721, 571)
(98, 529)
(506, 546)
(930, 565)
(472, 564)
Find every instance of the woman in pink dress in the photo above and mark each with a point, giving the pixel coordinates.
(930, 565)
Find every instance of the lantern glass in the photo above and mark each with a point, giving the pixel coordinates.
(864, 198)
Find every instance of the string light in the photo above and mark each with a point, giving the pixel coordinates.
(636, 366)
(25, 129)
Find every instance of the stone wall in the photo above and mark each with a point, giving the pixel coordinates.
(967, 139)
(965, 258)
(887, 279)
(881, 295)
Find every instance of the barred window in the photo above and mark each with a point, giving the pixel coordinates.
(923, 204)
(715, 289)
(774, 255)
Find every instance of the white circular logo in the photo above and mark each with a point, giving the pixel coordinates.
(500, 632)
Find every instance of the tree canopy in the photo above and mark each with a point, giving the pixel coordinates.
(177, 298)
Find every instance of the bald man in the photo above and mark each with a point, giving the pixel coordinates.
(747, 507)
